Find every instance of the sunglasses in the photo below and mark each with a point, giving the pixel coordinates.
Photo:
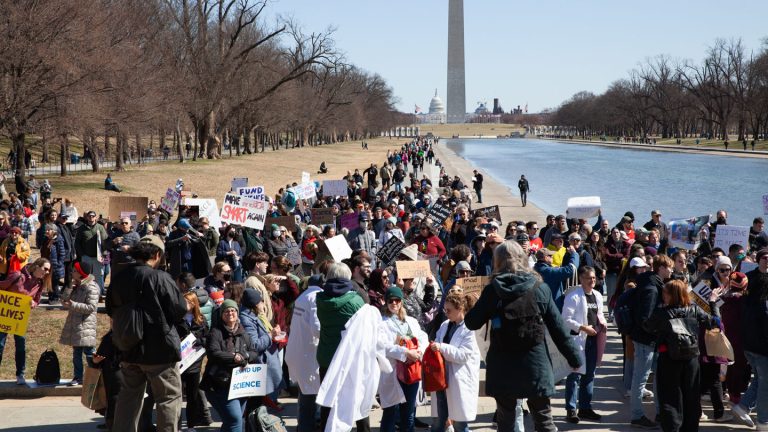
(125, 223)
(394, 300)
(724, 270)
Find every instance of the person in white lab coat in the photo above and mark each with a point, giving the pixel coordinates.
(459, 348)
(398, 398)
(583, 315)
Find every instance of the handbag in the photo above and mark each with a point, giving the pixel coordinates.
(433, 366)
(718, 345)
(94, 395)
(409, 373)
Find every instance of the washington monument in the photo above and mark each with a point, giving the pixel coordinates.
(457, 105)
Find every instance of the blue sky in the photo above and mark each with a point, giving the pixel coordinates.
(535, 52)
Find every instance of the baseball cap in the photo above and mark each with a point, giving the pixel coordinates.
(637, 262)
(91, 213)
(522, 238)
(655, 212)
(463, 266)
(155, 240)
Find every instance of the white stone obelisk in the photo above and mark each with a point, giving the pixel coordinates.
(457, 104)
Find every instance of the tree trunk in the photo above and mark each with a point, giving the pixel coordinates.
(139, 152)
(119, 145)
(94, 152)
(162, 139)
(178, 142)
(209, 130)
(106, 145)
(46, 156)
(247, 140)
(20, 150)
(197, 138)
(64, 153)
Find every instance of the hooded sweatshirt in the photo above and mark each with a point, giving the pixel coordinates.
(335, 306)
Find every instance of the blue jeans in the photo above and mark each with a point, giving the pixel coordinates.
(406, 411)
(230, 411)
(584, 382)
(307, 412)
(442, 415)
(644, 359)
(757, 392)
(77, 360)
(21, 351)
(628, 366)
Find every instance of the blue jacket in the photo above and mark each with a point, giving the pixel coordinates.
(262, 342)
(555, 277)
(221, 252)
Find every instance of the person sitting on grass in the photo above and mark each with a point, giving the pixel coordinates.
(110, 184)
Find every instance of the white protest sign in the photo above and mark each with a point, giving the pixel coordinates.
(747, 266)
(255, 192)
(238, 182)
(304, 190)
(583, 207)
(189, 353)
(765, 204)
(332, 188)
(338, 248)
(244, 211)
(170, 200)
(208, 208)
(702, 291)
(304, 177)
(727, 235)
(248, 381)
(684, 233)
(560, 366)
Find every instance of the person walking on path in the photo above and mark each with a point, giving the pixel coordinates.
(522, 184)
(477, 184)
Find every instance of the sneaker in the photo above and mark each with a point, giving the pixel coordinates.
(703, 417)
(589, 414)
(647, 394)
(742, 415)
(75, 382)
(644, 423)
(20, 380)
(571, 417)
(419, 424)
(725, 418)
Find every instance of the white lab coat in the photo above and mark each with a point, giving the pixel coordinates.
(462, 367)
(301, 351)
(575, 315)
(349, 387)
(390, 392)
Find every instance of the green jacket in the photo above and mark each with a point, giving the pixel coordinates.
(334, 311)
(86, 239)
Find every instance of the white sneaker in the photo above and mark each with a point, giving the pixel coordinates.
(647, 394)
(703, 417)
(742, 416)
(725, 418)
(20, 380)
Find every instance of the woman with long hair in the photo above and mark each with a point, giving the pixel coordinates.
(194, 323)
(378, 283)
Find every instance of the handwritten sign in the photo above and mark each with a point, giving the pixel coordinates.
(349, 221)
(413, 269)
(560, 366)
(390, 250)
(474, 284)
(170, 200)
(765, 204)
(332, 188)
(248, 381)
(14, 312)
(490, 212)
(583, 207)
(289, 222)
(207, 207)
(439, 213)
(322, 216)
(244, 211)
(254, 192)
(337, 247)
(304, 190)
(238, 182)
(727, 235)
(189, 353)
(305, 178)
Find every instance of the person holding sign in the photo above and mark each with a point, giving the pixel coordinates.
(229, 347)
(194, 323)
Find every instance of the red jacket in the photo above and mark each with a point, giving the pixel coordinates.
(430, 245)
(23, 283)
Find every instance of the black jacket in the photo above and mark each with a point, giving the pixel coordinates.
(693, 317)
(755, 316)
(201, 264)
(164, 306)
(221, 347)
(645, 300)
(201, 334)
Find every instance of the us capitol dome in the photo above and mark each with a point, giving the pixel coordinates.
(436, 105)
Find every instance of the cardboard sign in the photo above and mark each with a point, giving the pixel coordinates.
(413, 269)
(333, 188)
(490, 212)
(170, 200)
(248, 381)
(128, 204)
(439, 213)
(390, 250)
(727, 235)
(583, 207)
(189, 353)
(14, 312)
(684, 233)
(206, 208)
(254, 192)
(304, 191)
(349, 221)
(244, 211)
(765, 204)
(305, 178)
(322, 216)
(336, 247)
(474, 284)
(238, 182)
(289, 222)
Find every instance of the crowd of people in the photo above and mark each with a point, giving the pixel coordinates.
(345, 335)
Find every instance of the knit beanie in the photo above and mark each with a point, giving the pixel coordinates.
(394, 292)
(251, 298)
(228, 304)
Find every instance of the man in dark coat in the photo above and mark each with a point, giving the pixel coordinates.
(187, 251)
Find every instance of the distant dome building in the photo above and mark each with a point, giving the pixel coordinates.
(482, 109)
(436, 105)
(436, 113)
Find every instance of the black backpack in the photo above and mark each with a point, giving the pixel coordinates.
(622, 313)
(681, 344)
(48, 372)
(519, 326)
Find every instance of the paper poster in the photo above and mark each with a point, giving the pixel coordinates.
(170, 200)
(238, 182)
(765, 204)
(248, 381)
(583, 207)
(560, 366)
(474, 284)
(684, 233)
(322, 216)
(337, 247)
(305, 178)
(490, 212)
(413, 269)
(189, 353)
(390, 250)
(14, 312)
(332, 188)
(727, 235)
(244, 211)
(304, 191)
(349, 221)
(702, 291)
(254, 192)
(439, 213)
(207, 208)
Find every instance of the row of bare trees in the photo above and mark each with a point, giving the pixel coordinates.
(725, 94)
(111, 72)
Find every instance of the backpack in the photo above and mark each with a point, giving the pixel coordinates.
(622, 312)
(519, 325)
(433, 368)
(681, 344)
(128, 324)
(48, 371)
(259, 420)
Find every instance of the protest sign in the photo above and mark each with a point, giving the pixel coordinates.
(289, 222)
(560, 366)
(170, 200)
(207, 207)
(747, 267)
(390, 250)
(332, 188)
(305, 177)
(413, 269)
(128, 214)
(727, 235)
(583, 207)
(244, 211)
(304, 191)
(238, 182)
(117, 205)
(14, 312)
(702, 291)
(254, 192)
(294, 253)
(490, 212)
(248, 381)
(474, 284)
(349, 221)
(439, 213)
(765, 204)
(322, 216)
(189, 352)
(336, 247)
(684, 233)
